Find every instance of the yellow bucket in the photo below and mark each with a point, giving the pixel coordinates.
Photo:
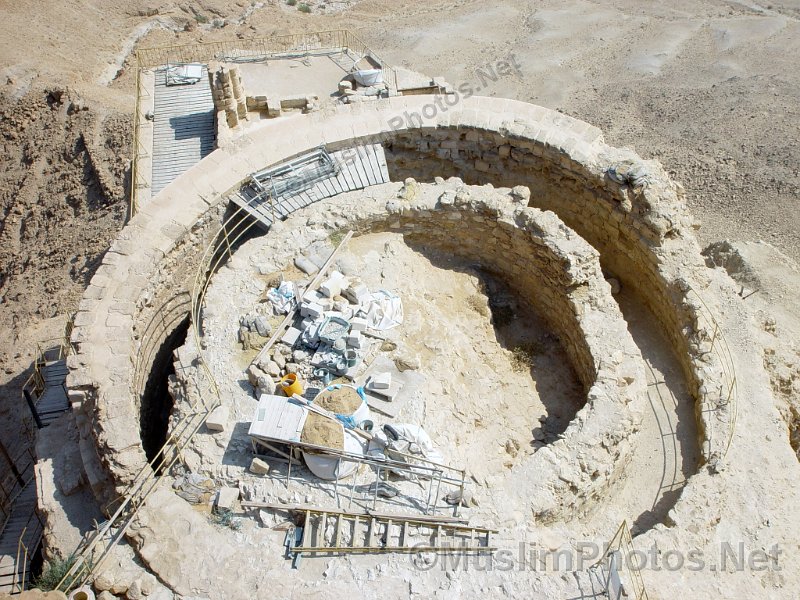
(290, 385)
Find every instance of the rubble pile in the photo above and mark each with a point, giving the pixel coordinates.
(333, 330)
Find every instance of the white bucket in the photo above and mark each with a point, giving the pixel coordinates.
(82, 593)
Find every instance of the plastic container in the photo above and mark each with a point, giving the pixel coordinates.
(290, 385)
(368, 77)
(82, 593)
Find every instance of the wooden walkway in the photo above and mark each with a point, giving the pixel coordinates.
(355, 169)
(22, 524)
(54, 400)
(183, 127)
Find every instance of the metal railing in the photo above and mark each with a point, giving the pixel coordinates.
(618, 568)
(90, 556)
(727, 395)
(245, 50)
(26, 546)
(13, 482)
(47, 351)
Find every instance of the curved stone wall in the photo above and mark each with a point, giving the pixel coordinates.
(657, 255)
(550, 268)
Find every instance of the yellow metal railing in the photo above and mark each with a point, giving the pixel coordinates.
(237, 50)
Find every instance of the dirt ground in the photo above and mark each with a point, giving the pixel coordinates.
(709, 88)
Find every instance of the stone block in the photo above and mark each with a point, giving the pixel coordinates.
(218, 419)
(226, 498)
(259, 467)
(354, 340)
(357, 293)
(334, 285)
(380, 381)
(311, 310)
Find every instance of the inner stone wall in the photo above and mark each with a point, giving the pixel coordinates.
(549, 267)
(554, 270)
(643, 232)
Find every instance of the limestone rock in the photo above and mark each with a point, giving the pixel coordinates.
(226, 497)
(218, 419)
(253, 374)
(406, 362)
(615, 285)
(521, 194)
(259, 467)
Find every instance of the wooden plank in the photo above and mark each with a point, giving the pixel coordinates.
(346, 178)
(306, 529)
(358, 167)
(338, 531)
(374, 168)
(370, 531)
(320, 536)
(380, 153)
(334, 183)
(326, 189)
(373, 173)
(411, 518)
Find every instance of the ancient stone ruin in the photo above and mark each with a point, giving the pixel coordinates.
(553, 291)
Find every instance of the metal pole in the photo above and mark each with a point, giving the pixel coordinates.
(289, 470)
(377, 483)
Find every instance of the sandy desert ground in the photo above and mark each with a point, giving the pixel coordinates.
(709, 88)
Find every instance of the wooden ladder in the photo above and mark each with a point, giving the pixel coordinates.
(382, 533)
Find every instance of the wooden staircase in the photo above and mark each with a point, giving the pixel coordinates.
(53, 400)
(18, 541)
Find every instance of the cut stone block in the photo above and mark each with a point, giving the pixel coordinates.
(259, 467)
(388, 394)
(380, 381)
(334, 285)
(354, 340)
(291, 336)
(358, 324)
(226, 497)
(331, 288)
(218, 419)
(357, 294)
(311, 309)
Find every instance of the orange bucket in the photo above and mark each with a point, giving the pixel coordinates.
(290, 385)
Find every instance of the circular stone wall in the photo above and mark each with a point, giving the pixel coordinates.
(544, 262)
(642, 232)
